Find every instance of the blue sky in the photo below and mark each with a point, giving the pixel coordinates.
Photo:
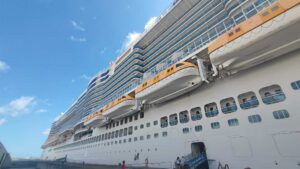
(48, 51)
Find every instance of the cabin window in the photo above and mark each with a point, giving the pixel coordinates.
(141, 138)
(135, 127)
(211, 110)
(165, 134)
(126, 120)
(109, 134)
(130, 130)
(129, 139)
(155, 135)
(281, 114)
(121, 123)
(120, 141)
(272, 94)
(112, 135)
(254, 118)
(148, 136)
(215, 125)
(117, 123)
(114, 124)
(125, 131)
(296, 85)
(228, 105)
(184, 116)
(164, 122)
(198, 128)
(130, 118)
(185, 130)
(136, 116)
(196, 113)
(135, 138)
(104, 137)
(173, 119)
(248, 100)
(121, 133)
(233, 122)
(148, 124)
(155, 122)
(141, 126)
(142, 115)
(124, 141)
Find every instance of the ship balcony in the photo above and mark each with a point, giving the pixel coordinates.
(211, 113)
(270, 33)
(196, 117)
(170, 83)
(173, 122)
(121, 109)
(249, 104)
(274, 98)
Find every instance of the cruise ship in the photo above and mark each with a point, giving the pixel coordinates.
(5, 159)
(214, 82)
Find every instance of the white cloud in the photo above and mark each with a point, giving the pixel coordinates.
(46, 132)
(82, 9)
(74, 39)
(150, 23)
(42, 111)
(133, 37)
(3, 66)
(77, 26)
(18, 106)
(59, 116)
(86, 77)
(2, 121)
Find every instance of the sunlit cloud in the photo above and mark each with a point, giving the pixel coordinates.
(42, 111)
(4, 66)
(2, 121)
(18, 106)
(46, 132)
(59, 116)
(151, 22)
(75, 39)
(77, 26)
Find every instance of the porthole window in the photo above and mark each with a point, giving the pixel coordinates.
(281, 114)
(141, 126)
(165, 134)
(254, 119)
(211, 110)
(248, 100)
(198, 128)
(233, 122)
(185, 130)
(148, 124)
(272, 94)
(196, 113)
(228, 105)
(296, 85)
(215, 125)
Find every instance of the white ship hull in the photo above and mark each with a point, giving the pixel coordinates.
(269, 144)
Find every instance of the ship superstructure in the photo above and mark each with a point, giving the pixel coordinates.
(198, 84)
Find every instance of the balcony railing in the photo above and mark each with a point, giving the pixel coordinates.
(184, 120)
(173, 122)
(229, 109)
(196, 117)
(274, 98)
(249, 104)
(212, 113)
(164, 124)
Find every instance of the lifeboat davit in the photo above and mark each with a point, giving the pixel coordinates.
(268, 34)
(176, 80)
(95, 119)
(122, 106)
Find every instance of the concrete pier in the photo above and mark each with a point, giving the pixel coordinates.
(38, 164)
